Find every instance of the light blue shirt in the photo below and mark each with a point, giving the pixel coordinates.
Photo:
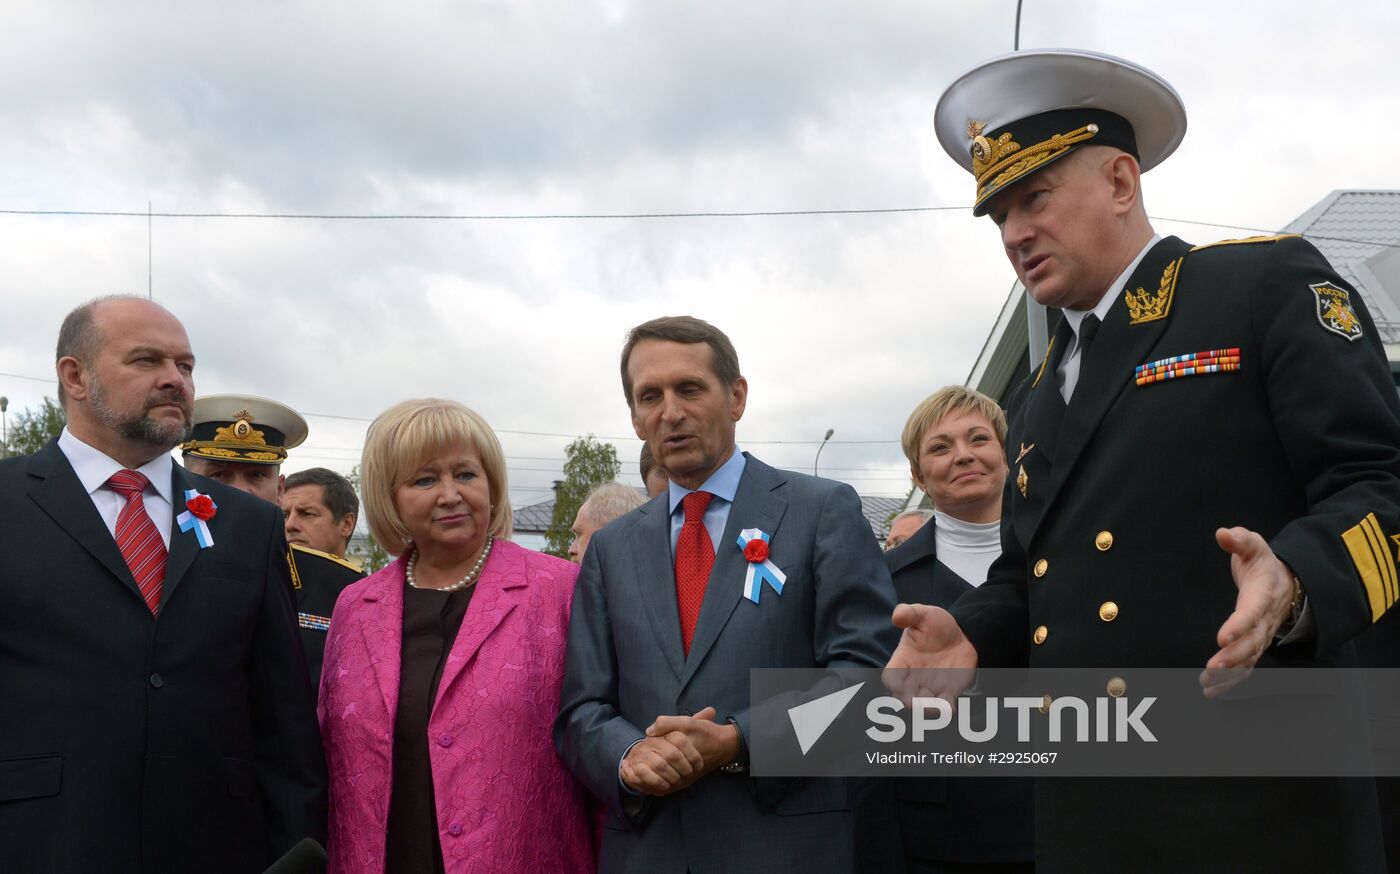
(723, 483)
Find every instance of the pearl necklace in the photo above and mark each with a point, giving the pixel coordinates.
(461, 584)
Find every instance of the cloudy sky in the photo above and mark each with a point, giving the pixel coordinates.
(548, 107)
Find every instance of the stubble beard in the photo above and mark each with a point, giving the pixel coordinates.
(139, 427)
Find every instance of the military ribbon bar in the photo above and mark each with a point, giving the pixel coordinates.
(190, 522)
(1193, 364)
(312, 622)
(754, 543)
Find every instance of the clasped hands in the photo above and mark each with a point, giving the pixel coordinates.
(677, 751)
(932, 639)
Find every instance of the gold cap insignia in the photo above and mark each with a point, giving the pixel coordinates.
(240, 431)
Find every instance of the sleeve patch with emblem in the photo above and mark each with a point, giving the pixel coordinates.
(1334, 310)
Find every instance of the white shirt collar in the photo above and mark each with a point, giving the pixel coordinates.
(1115, 290)
(95, 467)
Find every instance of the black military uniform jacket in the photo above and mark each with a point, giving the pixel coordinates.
(1233, 384)
(318, 578)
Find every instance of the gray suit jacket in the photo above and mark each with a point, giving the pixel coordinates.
(625, 666)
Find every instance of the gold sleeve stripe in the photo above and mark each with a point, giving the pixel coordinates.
(1373, 531)
(1373, 564)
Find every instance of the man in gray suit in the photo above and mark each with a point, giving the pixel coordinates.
(655, 703)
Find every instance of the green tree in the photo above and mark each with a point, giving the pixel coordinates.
(588, 464)
(376, 556)
(30, 429)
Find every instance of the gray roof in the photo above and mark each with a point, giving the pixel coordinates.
(535, 518)
(878, 512)
(1359, 233)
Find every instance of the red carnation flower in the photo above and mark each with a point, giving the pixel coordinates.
(202, 506)
(756, 551)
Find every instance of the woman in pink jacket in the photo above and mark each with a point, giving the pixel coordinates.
(442, 670)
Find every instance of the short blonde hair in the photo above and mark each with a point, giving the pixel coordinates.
(937, 406)
(401, 439)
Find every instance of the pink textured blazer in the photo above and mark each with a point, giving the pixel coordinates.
(505, 803)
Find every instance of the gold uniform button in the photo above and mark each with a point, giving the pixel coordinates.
(1045, 703)
(1041, 632)
(1041, 567)
(1108, 611)
(1104, 541)
(1117, 686)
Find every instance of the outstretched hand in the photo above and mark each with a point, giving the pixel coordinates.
(1265, 597)
(934, 658)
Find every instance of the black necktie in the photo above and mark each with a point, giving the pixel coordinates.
(1087, 330)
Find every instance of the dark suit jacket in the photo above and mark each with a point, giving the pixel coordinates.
(318, 579)
(937, 818)
(1120, 494)
(625, 666)
(135, 744)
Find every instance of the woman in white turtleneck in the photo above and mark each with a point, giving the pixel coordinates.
(954, 441)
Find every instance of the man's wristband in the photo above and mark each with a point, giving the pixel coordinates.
(1295, 608)
(740, 765)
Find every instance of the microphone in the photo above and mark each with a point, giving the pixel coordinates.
(307, 857)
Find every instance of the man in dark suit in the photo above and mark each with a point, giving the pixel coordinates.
(1205, 469)
(660, 737)
(241, 441)
(157, 716)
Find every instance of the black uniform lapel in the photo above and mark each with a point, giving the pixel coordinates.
(1128, 334)
(1045, 407)
(1032, 450)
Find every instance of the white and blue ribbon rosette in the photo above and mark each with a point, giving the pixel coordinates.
(760, 571)
(189, 521)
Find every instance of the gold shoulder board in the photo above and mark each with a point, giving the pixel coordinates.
(1267, 238)
(326, 555)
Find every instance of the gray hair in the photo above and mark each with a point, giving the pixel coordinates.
(923, 514)
(611, 501)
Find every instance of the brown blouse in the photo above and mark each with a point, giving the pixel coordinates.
(431, 620)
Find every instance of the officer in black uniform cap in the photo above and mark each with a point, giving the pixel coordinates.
(242, 440)
(1205, 469)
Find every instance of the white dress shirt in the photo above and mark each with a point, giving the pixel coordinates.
(94, 468)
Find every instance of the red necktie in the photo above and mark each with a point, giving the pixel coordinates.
(695, 555)
(137, 537)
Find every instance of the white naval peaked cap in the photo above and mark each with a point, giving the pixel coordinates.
(1051, 101)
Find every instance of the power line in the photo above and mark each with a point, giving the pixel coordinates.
(308, 216)
(108, 213)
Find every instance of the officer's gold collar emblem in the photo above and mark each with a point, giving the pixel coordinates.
(1144, 306)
